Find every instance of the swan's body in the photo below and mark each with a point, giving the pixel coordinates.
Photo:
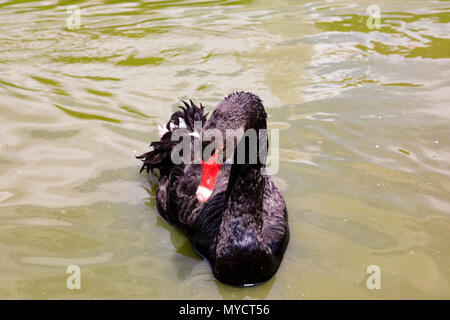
(242, 227)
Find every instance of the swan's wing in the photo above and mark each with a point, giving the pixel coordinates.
(275, 219)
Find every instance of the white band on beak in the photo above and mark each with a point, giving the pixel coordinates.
(203, 194)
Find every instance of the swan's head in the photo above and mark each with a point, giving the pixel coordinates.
(235, 133)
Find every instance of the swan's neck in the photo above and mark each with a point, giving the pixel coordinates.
(245, 189)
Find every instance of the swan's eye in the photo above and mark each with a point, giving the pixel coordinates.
(205, 144)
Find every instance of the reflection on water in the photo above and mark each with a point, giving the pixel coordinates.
(364, 142)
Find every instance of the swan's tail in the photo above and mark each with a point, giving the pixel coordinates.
(159, 157)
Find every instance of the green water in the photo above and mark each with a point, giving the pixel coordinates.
(364, 120)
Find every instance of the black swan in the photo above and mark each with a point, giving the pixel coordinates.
(234, 215)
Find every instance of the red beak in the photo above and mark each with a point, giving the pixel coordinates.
(210, 169)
